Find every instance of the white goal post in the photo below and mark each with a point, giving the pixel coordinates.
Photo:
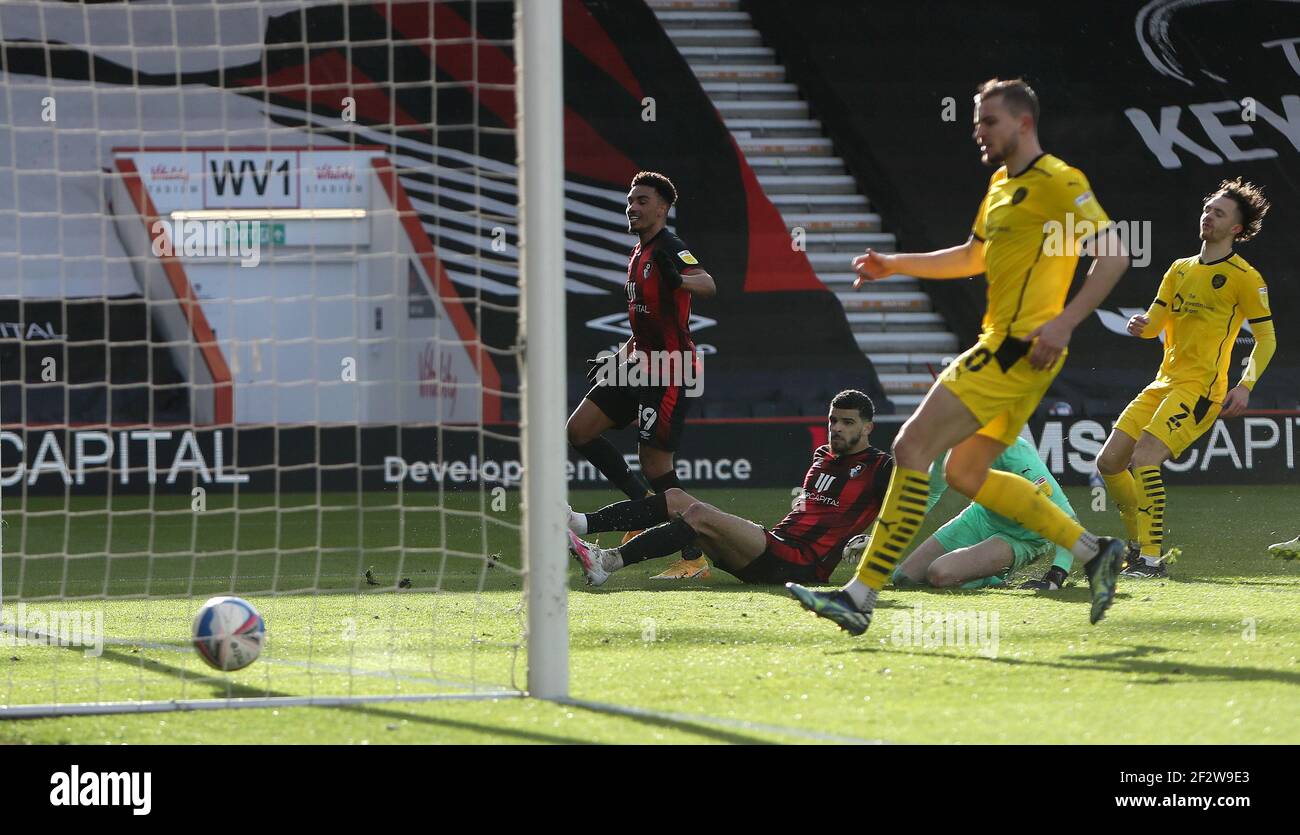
(539, 92)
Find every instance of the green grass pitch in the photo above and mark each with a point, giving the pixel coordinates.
(1205, 657)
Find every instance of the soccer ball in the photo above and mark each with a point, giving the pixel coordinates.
(228, 633)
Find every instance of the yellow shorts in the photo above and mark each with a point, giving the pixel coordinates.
(999, 386)
(1174, 416)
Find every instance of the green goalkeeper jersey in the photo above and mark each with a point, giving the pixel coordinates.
(1022, 459)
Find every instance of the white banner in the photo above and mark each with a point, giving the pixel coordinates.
(254, 179)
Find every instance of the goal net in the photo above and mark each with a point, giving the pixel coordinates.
(262, 304)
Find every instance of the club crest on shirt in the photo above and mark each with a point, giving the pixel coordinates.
(857, 468)
(1021, 194)
(645, 273)
(687, 257)
(1219, 280)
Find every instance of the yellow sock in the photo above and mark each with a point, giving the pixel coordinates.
(1150, 510)
(1017, 498)
(900, 518)
(1123, 491)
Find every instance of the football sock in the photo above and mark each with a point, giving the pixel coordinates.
(900, 518)
(1150, 510)
(606, 458)
(1123, 491)
(660, 541)
(982, 583)
(667, 481)
(862, 595)
(1018, 499)
(901, 580)
(692, 552)
(629, 515)
(1086, 547)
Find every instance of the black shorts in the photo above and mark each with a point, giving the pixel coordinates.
(782, 562)
(659, 411)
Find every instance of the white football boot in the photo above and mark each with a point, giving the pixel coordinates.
(590, 558)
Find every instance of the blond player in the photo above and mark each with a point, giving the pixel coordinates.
(1200, 307)
(980, 402)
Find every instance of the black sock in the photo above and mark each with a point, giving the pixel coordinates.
(667, 481)
(660, 541)
(630, 515)
(607, 459)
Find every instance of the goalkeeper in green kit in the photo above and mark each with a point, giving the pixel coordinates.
(978, 548)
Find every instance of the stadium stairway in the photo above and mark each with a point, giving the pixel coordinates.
(795, 163)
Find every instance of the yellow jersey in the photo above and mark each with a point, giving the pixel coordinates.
(1200, 308)
(1031, 226)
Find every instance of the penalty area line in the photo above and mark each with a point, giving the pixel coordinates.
(702, 719)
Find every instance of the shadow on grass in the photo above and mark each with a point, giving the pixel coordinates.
(1137, 660)
(1074, 595)
(893, 599)
(1288, 585)
(661, 721)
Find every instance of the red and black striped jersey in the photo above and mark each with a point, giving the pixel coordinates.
(840, 499)
(659, 314)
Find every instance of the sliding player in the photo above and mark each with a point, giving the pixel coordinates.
(842, 492)
(982, 399)
(1199, 308)
(979, 548)
(662, 276)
